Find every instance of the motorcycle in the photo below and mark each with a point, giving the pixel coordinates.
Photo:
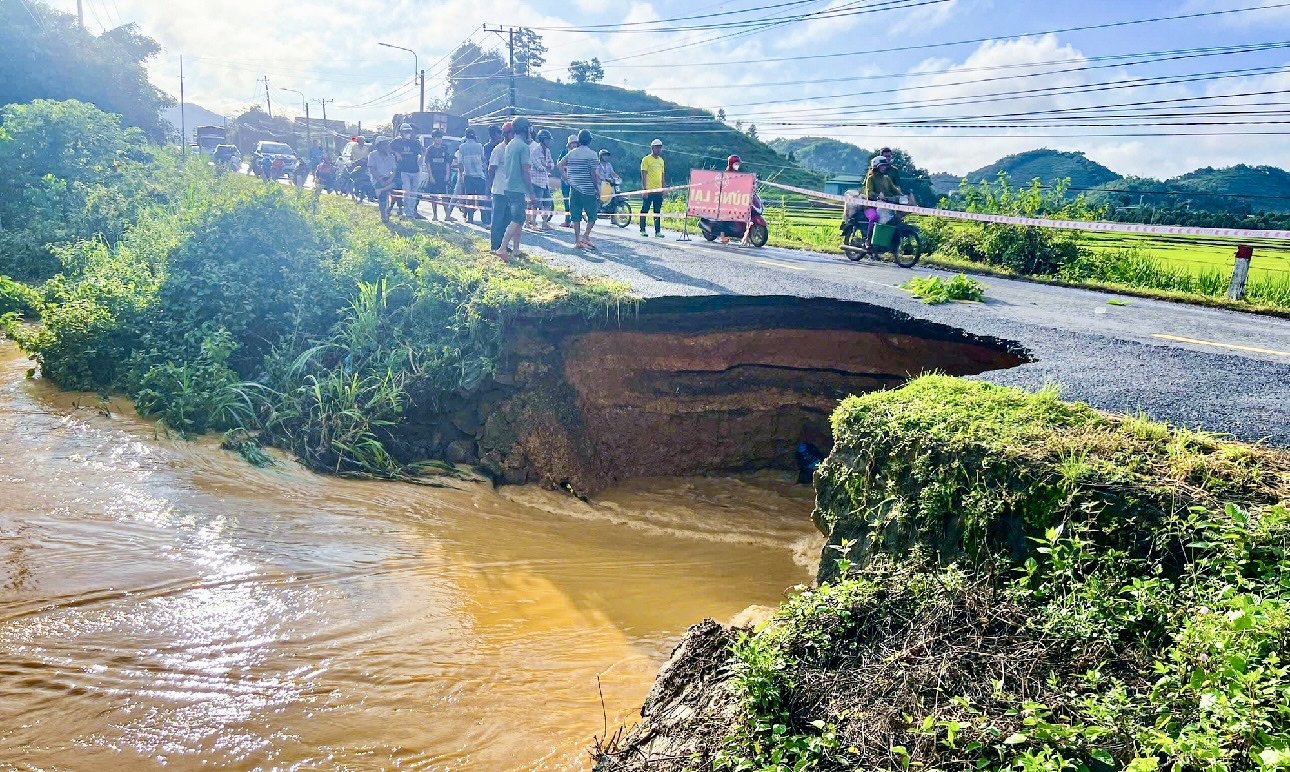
(903, 241)
(758, 232)
(354, 181)
(326, 177)
(616, 206)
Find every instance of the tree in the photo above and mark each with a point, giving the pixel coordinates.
(530, 52)
(48, 56)
(586, 72)
(77, 167)
(752, 130)
(792, 157)
(721, 115)
(470, 72)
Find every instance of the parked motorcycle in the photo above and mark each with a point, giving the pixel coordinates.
(903, 241)
(758, 234)
(617, 207)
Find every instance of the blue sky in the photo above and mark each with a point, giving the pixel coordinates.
(330, 50)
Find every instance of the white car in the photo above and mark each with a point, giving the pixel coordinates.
(274, 151)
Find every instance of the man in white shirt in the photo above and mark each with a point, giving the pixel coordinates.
(497, 187)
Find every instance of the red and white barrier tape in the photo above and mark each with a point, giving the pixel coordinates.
(1077, 225)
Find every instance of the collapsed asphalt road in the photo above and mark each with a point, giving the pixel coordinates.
(1217, 370)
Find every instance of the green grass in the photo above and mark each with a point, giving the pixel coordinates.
(1018, 583)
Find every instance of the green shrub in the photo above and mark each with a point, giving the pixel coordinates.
(16, 297)
(1022, 249)
(933, 290)
(244, 305)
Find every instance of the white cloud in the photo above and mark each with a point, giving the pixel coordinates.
(330, 51)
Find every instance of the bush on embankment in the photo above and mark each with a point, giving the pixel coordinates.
(1018, 583)
(245, 305)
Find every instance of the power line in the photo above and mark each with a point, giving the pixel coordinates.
(881, 6)
(619, 25)
(1147, 57)
(850, 9)
(971, 41)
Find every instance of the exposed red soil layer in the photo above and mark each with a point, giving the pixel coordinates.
(692, 386)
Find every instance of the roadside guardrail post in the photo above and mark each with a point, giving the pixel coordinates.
(1240, 272)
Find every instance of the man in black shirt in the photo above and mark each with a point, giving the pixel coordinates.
(437, 164)
(407, 150)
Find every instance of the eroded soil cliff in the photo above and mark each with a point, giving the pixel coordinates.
(680, 386)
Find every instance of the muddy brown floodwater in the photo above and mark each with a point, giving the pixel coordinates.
(163, 603)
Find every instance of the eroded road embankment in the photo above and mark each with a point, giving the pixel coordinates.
(1187, 365)
(684, 386)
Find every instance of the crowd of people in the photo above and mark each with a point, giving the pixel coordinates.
(509, 180)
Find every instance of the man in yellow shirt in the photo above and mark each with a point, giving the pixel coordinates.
(652, 170)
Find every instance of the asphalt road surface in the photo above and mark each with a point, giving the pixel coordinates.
(1217, 370)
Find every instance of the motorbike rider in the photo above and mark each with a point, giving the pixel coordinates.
(609, 179)
(879, 185)
(735, 164)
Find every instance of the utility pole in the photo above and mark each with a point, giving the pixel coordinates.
(330, 140)
(183, 124)
(423, 91)
(510, 48)
(268, 103)
(80, 14)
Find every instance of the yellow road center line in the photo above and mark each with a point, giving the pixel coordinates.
(1220, 345)
(781, 265)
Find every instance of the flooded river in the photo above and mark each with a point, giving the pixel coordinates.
(163, 603)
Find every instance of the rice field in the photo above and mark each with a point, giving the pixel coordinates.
(1271, 260)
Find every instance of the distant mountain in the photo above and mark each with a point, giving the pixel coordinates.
(825, 155)
(1049, 166)
(1238, 188)
(194, 115)
(625, 122)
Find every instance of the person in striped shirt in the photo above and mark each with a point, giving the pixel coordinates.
(580, 168)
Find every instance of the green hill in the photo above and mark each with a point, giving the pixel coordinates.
(827, 156)
(626, 121)
(1049, 166)
(1237, 189)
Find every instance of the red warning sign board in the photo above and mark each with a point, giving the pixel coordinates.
(721, 195)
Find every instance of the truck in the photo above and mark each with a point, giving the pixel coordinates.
(207, 138)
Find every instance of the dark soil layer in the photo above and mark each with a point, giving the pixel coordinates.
(684, 386)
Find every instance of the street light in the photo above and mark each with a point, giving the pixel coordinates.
(305, 101)
(416, 68)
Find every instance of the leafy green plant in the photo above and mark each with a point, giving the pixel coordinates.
(934, 290)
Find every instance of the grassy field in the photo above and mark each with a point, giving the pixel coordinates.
(1197, 255)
